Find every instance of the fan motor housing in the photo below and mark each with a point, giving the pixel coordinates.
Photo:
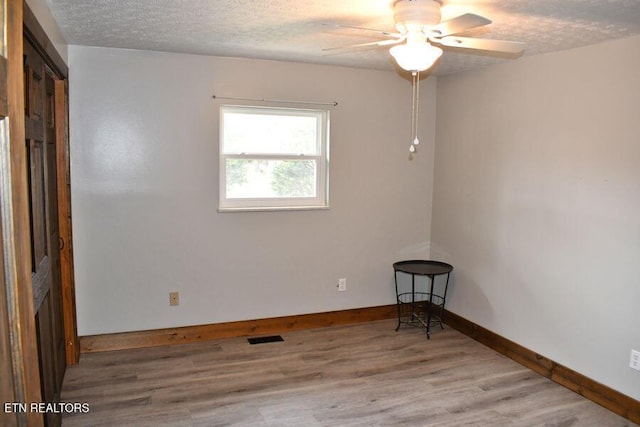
(409, 14)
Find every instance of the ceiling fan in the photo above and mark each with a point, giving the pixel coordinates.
(422, 36)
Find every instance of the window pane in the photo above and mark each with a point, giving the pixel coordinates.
(260, 178)
(253, 133)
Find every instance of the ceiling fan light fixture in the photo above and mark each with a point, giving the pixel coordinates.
(415, 56)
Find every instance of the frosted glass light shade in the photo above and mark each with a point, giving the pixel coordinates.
(415, 56)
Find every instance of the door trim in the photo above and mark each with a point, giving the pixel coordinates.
(72, 342)
(15, 223)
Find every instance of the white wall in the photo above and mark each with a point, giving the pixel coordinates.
(537, 204)
(42, 12)
(144, 147)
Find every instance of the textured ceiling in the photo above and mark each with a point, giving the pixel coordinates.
(296, 30)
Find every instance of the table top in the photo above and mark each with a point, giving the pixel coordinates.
(423, 267)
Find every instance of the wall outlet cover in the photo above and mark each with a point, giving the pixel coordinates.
(634, 362)
(174, 298)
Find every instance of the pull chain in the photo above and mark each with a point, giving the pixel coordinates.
(414, 111)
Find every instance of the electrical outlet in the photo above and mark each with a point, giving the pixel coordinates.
(342, 284)
(174, 298)
(634, 362)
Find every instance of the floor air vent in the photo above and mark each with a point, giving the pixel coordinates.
(262, 340)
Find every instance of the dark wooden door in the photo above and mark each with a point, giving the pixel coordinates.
(40, 127)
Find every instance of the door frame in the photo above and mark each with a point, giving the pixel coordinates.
(14, 208)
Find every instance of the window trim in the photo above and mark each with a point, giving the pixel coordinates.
(320, 201)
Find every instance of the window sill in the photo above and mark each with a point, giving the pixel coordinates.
(272, 209)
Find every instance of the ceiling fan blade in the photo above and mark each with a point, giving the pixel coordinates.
(499, 46)
(457, 25)
(381, 32)
(370, 44)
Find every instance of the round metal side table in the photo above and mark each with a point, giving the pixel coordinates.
(422, 308)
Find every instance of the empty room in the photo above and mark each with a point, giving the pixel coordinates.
(320, 213)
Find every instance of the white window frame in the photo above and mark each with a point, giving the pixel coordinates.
(319, 201)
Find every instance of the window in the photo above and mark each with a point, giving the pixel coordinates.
(273, 158)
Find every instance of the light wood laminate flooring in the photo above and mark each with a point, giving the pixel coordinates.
(357, 375)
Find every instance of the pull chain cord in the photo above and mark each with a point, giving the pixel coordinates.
(414, 111)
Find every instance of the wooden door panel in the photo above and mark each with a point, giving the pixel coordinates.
(35, 151)
(33, 82)
(43, 319)
(50, 137)
(57, 321)
(49, 381)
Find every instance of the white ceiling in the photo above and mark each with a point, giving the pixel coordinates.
(293, 30)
